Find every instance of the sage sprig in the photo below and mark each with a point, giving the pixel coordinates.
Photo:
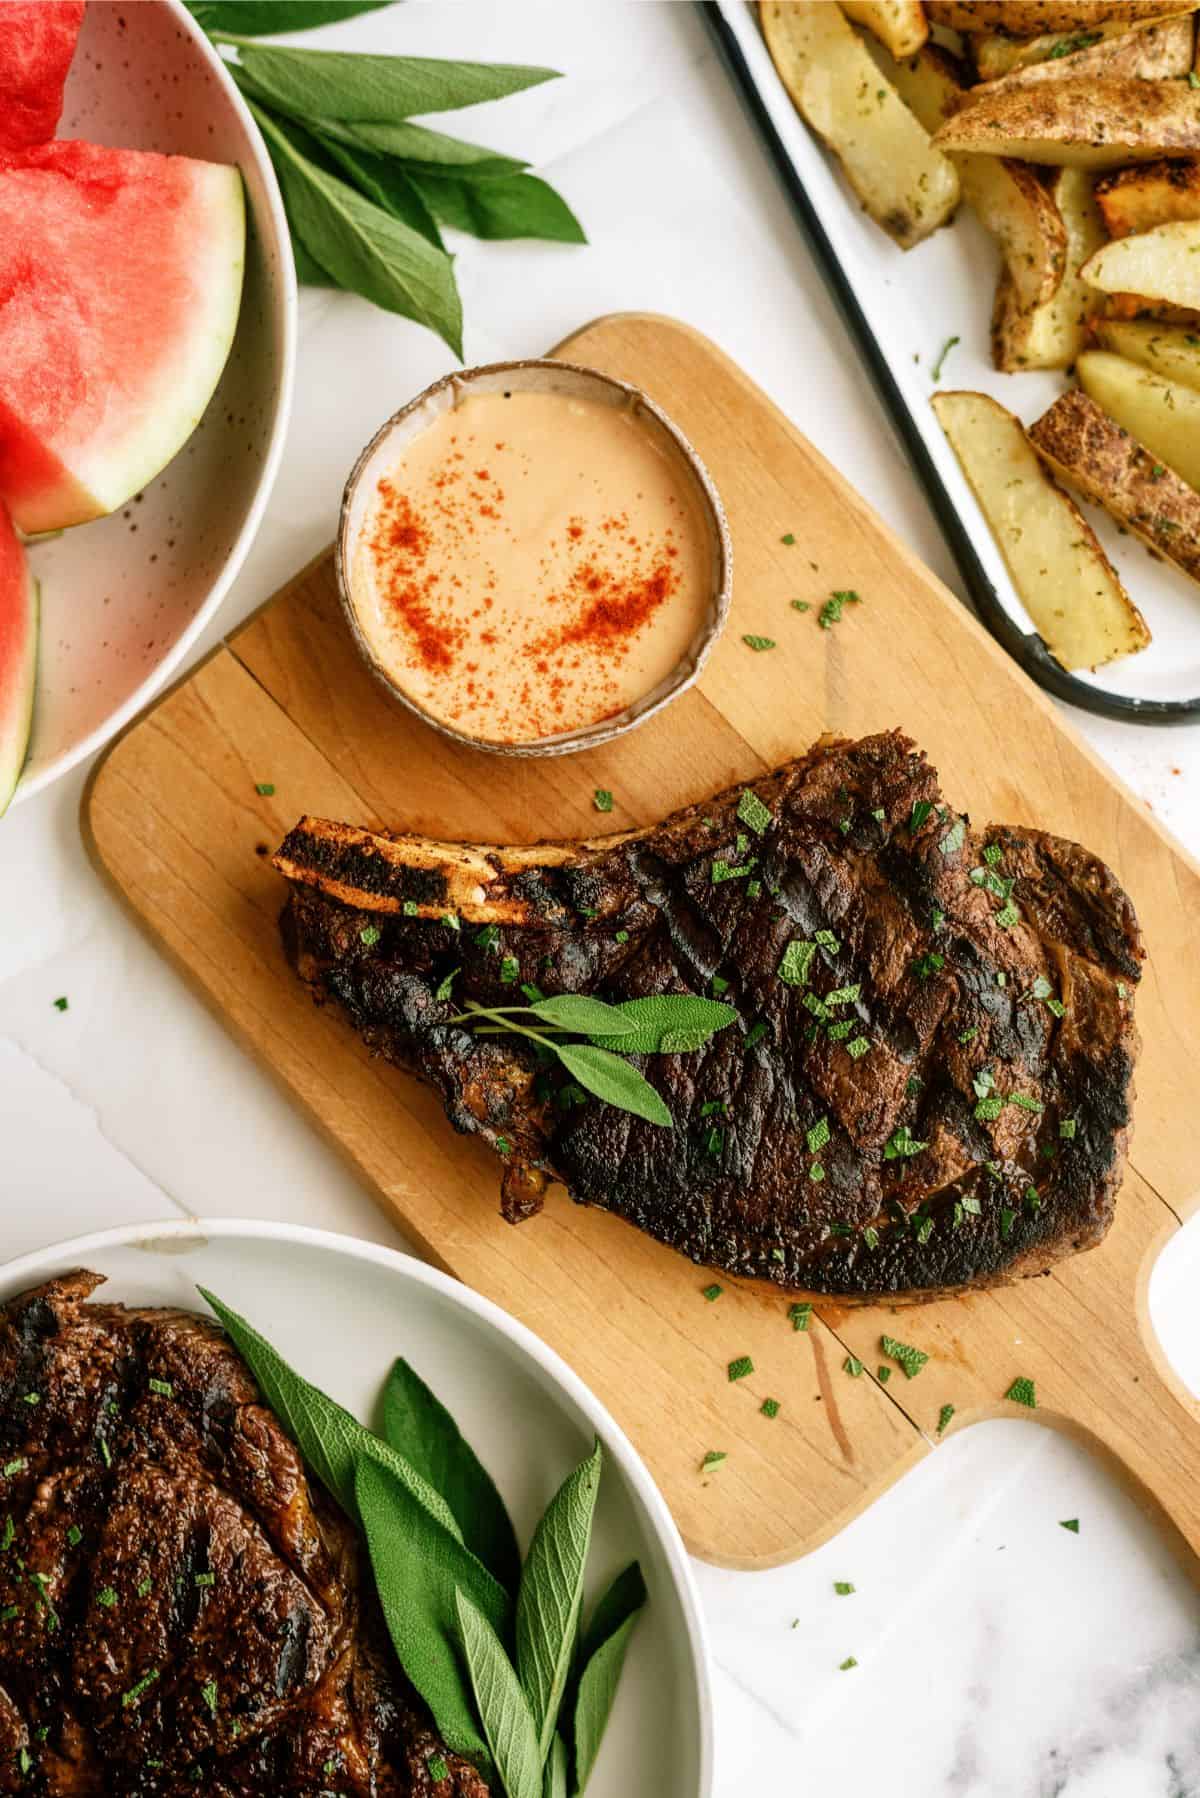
(365, 187)
(512, 1681)
(671, 1024)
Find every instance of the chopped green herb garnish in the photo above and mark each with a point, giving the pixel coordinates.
(451, 921)
(739, 1368)
(713, 1292)
(1193, 78)
(488, 937)
(437, 1768)
(944, 1416)
(712, 1459)
(265, 788)
(753, 813)
(801, 605)
(935, 373)
(1025, 1102)
(1066, 1129)
(144, 1588)
(9, 1612)
(770, 1407)
(831, 612)
(106, 1597)
(1056, 1008)
(925, 965)
(443, 991)
(842, 1587)
(1122, 990)
(15, 1466)
(972, 1206)
(142, 1687)
(797, 960)
(817, 1136)
(602, 799)
(74, 1535)
(989, 1109)
(62, 1004)
(920, 811)
(10, 1530)
(410, 908)
(953, 839)
(755, 1034)
(714, 1142)
(503, 1146)
(206, 1579)
(1069, 1523)
(1021, 1392)
(844, 1666)
(902, 1144)
(992, 854)
(510, 967)
(163, 1388)
(858, 1047)
(208, 1692)
(844, 995)
(871, 1236)
(758, 643)
(883, 1375)
(912, 1360)
(1007, 916)
(713, 1108)
(788, 538)
(721, 870)
(853, 1366)
(879, 814)
(369, 935)
(923, 1229)
(800, 1315)
(816, 1172)
(825, 939)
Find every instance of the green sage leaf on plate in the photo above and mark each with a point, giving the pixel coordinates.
(503, 1707)
(664, 1017)
(326, 1434)
(418, 1426)
(418, 1570)
(551, 1593)
(554, 1779)
(420, 146)
(261, 18)
(506, 206)
(384, 181)
(309, 272)
(363, 247)
(338, 84)
(601, 1658)
(606, 1076)
(575, 1011)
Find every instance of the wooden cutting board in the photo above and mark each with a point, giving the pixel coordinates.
(174, 819)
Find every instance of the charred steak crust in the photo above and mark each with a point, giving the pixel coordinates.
(963, 1031)
(181, 1611)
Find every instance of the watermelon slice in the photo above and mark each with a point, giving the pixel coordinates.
(120, 282)
(37, 42)
(18, 657)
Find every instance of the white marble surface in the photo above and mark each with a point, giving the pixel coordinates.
(998, 1655)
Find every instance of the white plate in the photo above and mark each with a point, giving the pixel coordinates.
(916, 300)
(339, 1310)
(124, 598)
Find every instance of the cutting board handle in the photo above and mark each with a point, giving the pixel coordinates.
(1130, 1406)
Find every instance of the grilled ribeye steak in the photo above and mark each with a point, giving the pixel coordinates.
(930, 1083)
(181, 1611)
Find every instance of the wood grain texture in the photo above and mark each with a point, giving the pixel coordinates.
(173, 818)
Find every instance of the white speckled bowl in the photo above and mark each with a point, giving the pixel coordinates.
(123, 598)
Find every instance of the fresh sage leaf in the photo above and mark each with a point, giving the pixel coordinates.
(575, 1011)
(551, 1593)
(338, 84)
(422, 148)
(384, 181)
(418, 1426)
(262, 18)
(507, 1718)
(328, 1437)
(366, 249)
(669, 1015)
(617, 1082)
(602, 1657)
(554, 1779)
(418, 1570)
(309, 272)
(506, 206)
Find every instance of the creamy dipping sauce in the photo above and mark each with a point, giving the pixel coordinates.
(532, 564)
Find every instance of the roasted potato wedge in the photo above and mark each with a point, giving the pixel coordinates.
(900, 25)
(1169, 350)
(1163, 415)
(1157, 52)
(1064, 53)
(1078, 124)
(1069, 587)
(1051, 334)
(1034, 18)
(1081, 444)
(1157, 193)
(1162, 265)
(1011, 199)
(906, 185)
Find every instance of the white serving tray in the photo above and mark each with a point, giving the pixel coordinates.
(912, 303)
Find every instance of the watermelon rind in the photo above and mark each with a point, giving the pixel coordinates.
(18, 681)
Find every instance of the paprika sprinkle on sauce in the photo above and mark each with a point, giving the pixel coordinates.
(532, 563)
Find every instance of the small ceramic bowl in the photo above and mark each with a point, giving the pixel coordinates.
(125, 597)
(574, 382)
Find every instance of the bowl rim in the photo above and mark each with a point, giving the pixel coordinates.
(592, 736)
(164, 669)
(41, 1264)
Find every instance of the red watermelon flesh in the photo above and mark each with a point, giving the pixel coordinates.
(18, 656)
(37, 42)
(120, 283)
